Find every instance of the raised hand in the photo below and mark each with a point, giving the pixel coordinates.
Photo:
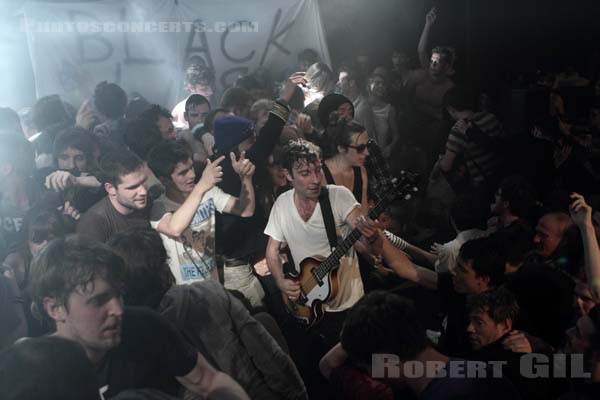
(431, 16)
(462, 126)
(85, 115)
(243, 167)
(581, 212)
(517, 342)
(60, 180)
(371, 230)
(297, 78)
(436, 248)
(304, 124)
(212, 174)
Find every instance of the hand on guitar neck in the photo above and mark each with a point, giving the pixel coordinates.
(372, 232)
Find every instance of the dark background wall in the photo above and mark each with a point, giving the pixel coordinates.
(495, 39)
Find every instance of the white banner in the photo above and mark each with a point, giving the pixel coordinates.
(143, 44)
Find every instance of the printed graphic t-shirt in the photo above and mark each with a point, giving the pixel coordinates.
(192, 256)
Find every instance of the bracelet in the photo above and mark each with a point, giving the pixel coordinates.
(397, 241)
(281, 110)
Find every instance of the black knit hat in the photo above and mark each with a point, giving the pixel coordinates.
(330, 103)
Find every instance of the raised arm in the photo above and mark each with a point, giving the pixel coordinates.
(396, 259)
(245, 203)
(175, 224)
(268, 136)
(581, 213)
(424, 39)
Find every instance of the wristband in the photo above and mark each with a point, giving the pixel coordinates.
(397, 241)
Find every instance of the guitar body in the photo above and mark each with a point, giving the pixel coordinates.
(318, 276)
(309, 308)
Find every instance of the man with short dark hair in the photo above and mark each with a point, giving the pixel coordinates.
(185, 214)
(110, 100)
(77, 284)
(479, 268)
(237, 101)
(50, 117)
(514, 203)
(241, 241)
(162, 119)
(197, 108)
(387, 324)
(252, 356)
(475, 139)
(199, 79)
(426, 87)
(123, 176)
(352, 86)
(492, 316)
(74, 154)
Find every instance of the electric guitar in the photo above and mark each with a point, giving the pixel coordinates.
(318, 275)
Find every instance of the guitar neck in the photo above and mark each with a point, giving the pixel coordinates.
(334, 258)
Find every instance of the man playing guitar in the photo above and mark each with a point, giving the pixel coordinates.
(297, 219)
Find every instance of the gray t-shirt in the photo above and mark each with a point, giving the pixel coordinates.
(102, 220)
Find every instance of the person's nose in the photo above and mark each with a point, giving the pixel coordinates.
(142, 191)
(116, 306)
(470, 328)
(69, 163)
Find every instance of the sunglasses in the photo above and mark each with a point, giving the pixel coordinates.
(360, 148)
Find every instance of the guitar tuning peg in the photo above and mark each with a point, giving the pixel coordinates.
(407, 197)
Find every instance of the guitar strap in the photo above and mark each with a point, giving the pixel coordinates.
(328, 217)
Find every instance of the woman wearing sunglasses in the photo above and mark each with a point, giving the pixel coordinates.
(344, 152)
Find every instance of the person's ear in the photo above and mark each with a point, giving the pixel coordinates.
(288, 176)
(110, 189)
(185, 115)
(342, 149)
(55, 309)
(506, 326)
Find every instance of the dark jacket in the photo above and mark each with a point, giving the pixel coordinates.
(222, 329)
(238, 237)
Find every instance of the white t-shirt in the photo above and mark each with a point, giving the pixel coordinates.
(192, 256)
(307, 239)
(178, 117)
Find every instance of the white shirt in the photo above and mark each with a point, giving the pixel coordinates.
(448, 253)
(307, 239)
(192, 256)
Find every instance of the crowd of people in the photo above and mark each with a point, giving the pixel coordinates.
(270, 244)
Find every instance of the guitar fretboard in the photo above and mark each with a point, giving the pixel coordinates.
(334, 258)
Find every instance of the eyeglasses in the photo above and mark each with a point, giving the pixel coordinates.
(360, 148)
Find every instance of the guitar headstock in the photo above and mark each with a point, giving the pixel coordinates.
(404, 187)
